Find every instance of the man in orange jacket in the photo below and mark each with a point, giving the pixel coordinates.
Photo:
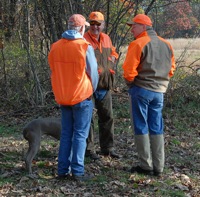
(74, 78)
(106, 57)
(148, 66)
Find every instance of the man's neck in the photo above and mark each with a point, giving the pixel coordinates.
(95, 36)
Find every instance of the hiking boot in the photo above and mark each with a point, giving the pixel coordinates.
(63, 176)
(158, 174)
(139, 170)
(91, 155)
(111, 153)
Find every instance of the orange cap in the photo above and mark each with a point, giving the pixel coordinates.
(96, 16)
(77, 20)
(141, 19)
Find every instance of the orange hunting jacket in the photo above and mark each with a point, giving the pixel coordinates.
(70, 82)
(149, 62)
(104, 50)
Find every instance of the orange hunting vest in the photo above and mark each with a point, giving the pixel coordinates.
(67, 60)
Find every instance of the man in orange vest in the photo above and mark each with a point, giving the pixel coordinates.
(106, 58)
(148, 66)
(74, 78)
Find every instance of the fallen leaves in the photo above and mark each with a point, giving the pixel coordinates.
(185, 180)
(181, 175)
(5, 189)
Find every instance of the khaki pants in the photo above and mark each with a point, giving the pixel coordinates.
(150, 149)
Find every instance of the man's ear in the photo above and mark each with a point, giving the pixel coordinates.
(82, 30)
(144, 27)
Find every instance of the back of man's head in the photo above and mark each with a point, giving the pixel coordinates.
(140, 19)
(76, 21)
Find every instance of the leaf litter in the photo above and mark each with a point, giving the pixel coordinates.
(112, 179)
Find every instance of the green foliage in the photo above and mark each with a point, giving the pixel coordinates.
(41, 164)
(172, 193)
(25, 77)
(14, 76)
(6, 131)
(183, 89)
(45, 153)
(101, 179)
(176, 141)
(122, 110)
(6, 182)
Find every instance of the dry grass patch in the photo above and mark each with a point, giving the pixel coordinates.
(187, 51)
(189, 43)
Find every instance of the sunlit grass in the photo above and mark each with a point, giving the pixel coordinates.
(186, 49)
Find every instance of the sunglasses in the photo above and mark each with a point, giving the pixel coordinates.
(92, 23)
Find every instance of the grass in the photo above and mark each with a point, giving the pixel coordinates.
(8, 131)
(181, 43)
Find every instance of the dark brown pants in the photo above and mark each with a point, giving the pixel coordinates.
(105, 124)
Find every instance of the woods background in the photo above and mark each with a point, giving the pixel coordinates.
(29, 27)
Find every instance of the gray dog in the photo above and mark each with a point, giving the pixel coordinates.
(33, 132)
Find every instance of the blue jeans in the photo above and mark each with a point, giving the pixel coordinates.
(146, 111)
(75, 128)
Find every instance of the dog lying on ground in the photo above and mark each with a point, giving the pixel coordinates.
(33, 132)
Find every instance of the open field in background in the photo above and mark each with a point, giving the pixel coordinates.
(181, 43)
(189, 47)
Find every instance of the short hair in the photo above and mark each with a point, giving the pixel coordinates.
(71, 27)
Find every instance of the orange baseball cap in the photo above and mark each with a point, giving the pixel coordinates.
(77, 20)
(141, 19)
(96, 16)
